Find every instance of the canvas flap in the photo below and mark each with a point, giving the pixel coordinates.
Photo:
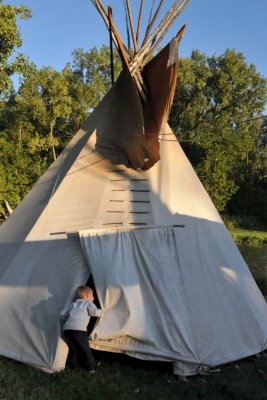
(139, 286)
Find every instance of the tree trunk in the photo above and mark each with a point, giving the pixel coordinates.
(52, 137)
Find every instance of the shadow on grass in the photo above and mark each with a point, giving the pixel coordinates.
(120, 378)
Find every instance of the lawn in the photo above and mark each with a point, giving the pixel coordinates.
(242, 236)
(121, 377)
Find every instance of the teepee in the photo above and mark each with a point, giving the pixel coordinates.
(122, 203)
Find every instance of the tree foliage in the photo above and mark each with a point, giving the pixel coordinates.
(215, 115)
(39, 119)
(10, 40)
(93, 69)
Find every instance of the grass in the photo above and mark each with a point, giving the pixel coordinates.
(121, 377)
(243, 236)
(246, 229)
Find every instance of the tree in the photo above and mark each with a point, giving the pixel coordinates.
(93, 69)
(251, 196)
(18, 170)
(10, 39)
(44, 99)
(214, 115)
(10, 63)
(38, 120)
(31, 130)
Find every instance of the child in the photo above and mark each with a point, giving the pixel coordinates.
(75, 329)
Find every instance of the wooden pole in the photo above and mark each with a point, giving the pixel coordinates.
(104, 14)
(151, 11)
(127, 27)
(123, 53)
(163, 27)
(132, 25)
(179, 36)
(111, 50)
(135, 65)
(173, 11)
(151, 23)
(139, 21)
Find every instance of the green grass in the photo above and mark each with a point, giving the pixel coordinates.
(121, 377)
(246, 229)
(258, 238)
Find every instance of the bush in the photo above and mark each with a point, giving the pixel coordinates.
(243, 222)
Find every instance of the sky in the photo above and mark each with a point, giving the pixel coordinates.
(57, 27)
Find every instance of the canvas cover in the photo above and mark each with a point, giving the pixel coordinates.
(221, 310)
(218, 313)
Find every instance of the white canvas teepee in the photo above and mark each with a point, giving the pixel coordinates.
(173, 284)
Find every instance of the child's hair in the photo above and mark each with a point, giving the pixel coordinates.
(82, 290)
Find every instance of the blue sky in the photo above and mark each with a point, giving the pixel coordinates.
(57, 27)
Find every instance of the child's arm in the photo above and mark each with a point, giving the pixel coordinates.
(65, 312)
(93, 310)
